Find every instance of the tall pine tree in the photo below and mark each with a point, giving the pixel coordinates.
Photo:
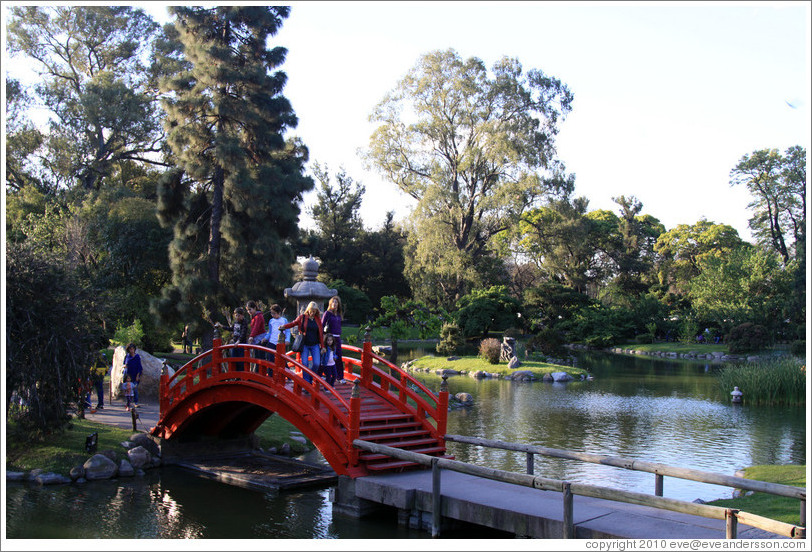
(234, 200)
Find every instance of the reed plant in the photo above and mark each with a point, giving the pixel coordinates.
(774, 381)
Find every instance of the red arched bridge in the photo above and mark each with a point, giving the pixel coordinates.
(220, 396)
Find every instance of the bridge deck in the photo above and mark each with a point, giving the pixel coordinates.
(534, 513)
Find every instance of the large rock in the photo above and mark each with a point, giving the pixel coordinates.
(561, 376)
(150, 378)
(99, 466)
(51, 478)
(465, 398)
(144, 440)
(139, 457)
(514, 363)
(125, 469)
(508, 349)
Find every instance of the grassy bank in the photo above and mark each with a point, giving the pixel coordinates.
(473, 364)
(767, 505)
(675, 347)
(62, 451)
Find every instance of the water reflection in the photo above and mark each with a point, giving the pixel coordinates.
(655, 410)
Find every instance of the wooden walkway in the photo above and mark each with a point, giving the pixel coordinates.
(522, 511)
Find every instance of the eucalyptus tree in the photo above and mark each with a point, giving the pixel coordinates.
(234, 199)
(778, 185)
(469, 146)
(94, 85)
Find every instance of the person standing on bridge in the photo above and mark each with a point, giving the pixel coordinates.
(239, 334)
(277, 319)
(332, 325)
(257, 328)
(309, 324)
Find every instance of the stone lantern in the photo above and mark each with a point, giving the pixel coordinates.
(736, 395)
(309, 289)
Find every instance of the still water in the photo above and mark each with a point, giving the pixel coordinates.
(654, 410)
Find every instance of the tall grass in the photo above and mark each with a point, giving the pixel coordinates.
(780, 380)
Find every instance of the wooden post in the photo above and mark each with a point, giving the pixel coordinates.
(366, 357)
(731, 523)
(436, 498)
(162, 390)
(658, 485)
(530, 457)
(134, 415)
(278, 360)
(355, 423)
(568, 527)
(803, 514)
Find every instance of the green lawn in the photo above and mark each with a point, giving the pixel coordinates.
(774, 507)
(60, 452)
(473, 364)
(674, 347)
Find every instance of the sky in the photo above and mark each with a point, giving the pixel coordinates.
(668, 96)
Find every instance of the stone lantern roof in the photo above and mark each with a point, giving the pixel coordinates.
(309, 289)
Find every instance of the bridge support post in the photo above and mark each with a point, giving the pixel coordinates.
(279, 361)
(658, 485)
(731, 523)
(567, 526)
(354, 430)
(436, 498)
(216, 354)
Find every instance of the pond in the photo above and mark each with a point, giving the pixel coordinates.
(649, 409)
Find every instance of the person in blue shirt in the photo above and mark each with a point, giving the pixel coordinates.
(132, 366)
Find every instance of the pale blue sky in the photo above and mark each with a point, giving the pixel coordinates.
(668, 96)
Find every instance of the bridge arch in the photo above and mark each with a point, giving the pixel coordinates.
(219, 396)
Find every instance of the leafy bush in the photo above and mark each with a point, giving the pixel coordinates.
(645, 338)
(134, 333)
(547, 341)
(798, 348)
(451, 340)
(747, 337)
(490, 349)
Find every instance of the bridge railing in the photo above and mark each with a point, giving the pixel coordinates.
(569, 489)
(400, 388)
(659, 470)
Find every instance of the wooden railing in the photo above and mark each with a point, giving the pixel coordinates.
(659, 470)
(569, 489)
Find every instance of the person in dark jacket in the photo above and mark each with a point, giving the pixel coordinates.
(239, 334)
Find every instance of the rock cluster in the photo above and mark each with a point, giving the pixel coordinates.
(715, 356)
(141, 453)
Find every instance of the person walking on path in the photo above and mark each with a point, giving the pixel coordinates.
(186, 344)
(97, 372)
(132, 365)
(128, 388)
(332, 325)
(309, 325)
(328, 360)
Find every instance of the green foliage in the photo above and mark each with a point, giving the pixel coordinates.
(599, 326)
(48, 340)
(485, 309)
(798, 348)
(451, 339)
(490, 349)
(357, 306)
(747, 338)
(547, 341)
(774, 381)
(467, 146)
(688, 330)
(233, 204)
(645, 338)
(402, 317)
(94, 83)
(134, 333)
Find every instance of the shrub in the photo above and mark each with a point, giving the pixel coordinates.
(451, 340)
(515, 333)
(547, 341)
(133, 333)
(490, 349)
(798, 348)
(645, 338)
(747, 337)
